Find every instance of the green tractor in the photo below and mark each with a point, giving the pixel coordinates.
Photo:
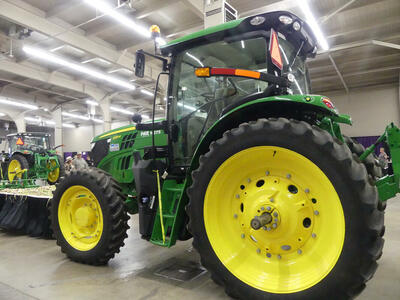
(248, 163)
(29, 157)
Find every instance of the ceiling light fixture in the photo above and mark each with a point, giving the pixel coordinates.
(146, 92)
(16, 103)
(313, 24)
(2, 115)
(66, 125)
(67, 114)
(97, 120)
(61, 61)
(91, 102)
(124, 20)
(120, 110)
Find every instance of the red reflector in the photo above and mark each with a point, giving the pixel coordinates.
(274, 50)
(20, 142)
(328, 103)
(222, 71)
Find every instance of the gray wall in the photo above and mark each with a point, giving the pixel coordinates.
(371, 109)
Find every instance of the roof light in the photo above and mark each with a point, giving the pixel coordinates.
(66, 125)
(91, 102)
(120, 110)
(2, 115)
(67, 114)
(146, 92)
(107, 9)
(30, 119)
(314, 25)
(13, 102)
(77, 67)
(286, 20)
(257, 20)
(296, 26)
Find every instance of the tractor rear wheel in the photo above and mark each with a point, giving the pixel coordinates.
(15, 167)
(280, 210)
(54, 176)
(89, 216)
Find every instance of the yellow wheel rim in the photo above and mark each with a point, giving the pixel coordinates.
(80, 218)
(14, 170)
(302, 242)
(53, 176)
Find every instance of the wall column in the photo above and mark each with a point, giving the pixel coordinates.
(58, 129)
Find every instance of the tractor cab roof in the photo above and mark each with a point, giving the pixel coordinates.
(285, 23)
(29, 134)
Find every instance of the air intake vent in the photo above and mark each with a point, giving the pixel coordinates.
(230, 12)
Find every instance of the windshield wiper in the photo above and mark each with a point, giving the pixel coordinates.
(297, 54)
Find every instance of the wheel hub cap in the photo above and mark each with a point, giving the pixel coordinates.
(274, 219)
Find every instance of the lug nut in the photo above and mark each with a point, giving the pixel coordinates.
(235, 216)
(242, 235)
(267, 173)
(307, 190)
(258, 251)
(268, 208)
(286, 247)
(269, 255)
(299, 251)
(262, 208)
(237, 196)
(288, 176)
(314, 235)
(275, 214)
(268, 228)
(248, 180)
(316, 212)
(274, 225)
(272, 200)
(276, 220)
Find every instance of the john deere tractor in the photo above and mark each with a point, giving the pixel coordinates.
(279, 203)
(30, 157)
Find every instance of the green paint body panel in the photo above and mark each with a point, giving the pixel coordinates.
(118, 162)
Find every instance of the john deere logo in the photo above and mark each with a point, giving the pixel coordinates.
(308, 99)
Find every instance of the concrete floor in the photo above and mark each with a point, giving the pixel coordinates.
(36, 269)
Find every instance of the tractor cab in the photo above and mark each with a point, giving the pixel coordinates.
(27, 143)
(215, 71)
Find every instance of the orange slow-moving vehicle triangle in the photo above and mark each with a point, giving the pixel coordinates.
(274, 50)
(20, 142)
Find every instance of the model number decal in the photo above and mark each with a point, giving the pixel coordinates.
(147, 133)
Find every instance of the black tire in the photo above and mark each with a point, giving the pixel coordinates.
(364, 222)
(21, 159)
(62, 171)
(371, 164)
(115, 215)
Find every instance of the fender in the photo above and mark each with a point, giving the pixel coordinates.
(289, 106)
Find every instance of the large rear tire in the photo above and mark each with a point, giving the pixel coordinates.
(322, 238)
(89, 216)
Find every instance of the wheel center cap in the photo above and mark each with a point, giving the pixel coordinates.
(84, 216)
(259, 221)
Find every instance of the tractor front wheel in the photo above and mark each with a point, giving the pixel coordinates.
(89, 216)
(16, 166)
(280, 210)
(54, 176)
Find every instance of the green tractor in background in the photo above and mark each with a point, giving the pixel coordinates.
(29, 157)
(279, 203)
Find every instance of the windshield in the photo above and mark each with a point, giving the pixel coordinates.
(28, 142)
(196, 103)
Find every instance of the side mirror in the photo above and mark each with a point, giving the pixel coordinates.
(140, 64)
(137, 118)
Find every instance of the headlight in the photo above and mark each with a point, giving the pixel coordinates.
(257, 20)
